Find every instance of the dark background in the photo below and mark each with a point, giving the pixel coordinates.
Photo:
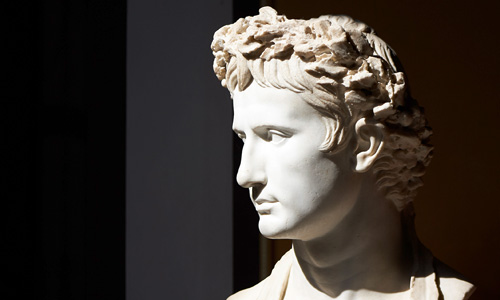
(63, 129)
(63, 150)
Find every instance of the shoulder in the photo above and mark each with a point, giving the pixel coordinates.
(452, 285)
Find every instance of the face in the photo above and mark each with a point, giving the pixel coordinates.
(298, 191)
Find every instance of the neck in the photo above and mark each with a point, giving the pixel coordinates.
(364, 254)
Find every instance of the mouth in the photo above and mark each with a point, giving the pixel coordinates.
(261, 201)
(263, 206)
(263, 212)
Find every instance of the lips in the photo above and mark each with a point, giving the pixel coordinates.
(261, 201)
(263, 206)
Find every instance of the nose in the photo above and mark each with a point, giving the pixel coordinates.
(251, 172)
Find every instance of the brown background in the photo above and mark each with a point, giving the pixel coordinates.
(450, 54)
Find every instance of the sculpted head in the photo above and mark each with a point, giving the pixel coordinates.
(342, 70)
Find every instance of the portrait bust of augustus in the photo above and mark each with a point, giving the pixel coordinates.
(334, 151)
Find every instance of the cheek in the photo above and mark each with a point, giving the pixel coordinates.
(294, 164)
(302, 179)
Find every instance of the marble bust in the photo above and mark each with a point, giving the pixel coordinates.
(334, 151)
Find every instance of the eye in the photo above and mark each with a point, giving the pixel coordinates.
(276, 137)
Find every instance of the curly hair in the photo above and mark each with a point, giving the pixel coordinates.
(346, 72)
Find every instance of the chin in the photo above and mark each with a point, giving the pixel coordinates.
(271, 228)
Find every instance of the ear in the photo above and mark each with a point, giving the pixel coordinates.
(370, 141)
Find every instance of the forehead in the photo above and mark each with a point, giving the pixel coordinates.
(257, 105)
